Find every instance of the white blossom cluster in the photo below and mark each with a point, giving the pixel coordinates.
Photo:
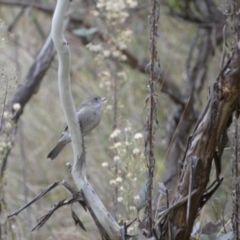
(8, 125)
(118, 37)
(116, 11)
(126, 168)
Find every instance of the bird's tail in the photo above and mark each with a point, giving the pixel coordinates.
(57, 149)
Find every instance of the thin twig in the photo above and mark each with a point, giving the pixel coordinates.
(235, 177)
(190, 55)
(15, 20)
(24, 174)
(46, 190)
(40, 195)
(176, 205)
(189, 189)
(224, 47)
(42, 220)
(175, 132)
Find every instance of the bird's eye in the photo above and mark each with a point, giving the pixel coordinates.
(96, 99)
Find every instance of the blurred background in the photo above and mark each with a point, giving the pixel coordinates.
(101, 64)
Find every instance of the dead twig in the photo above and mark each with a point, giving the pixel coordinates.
(41, 221)
(165, 213)
(45, 191)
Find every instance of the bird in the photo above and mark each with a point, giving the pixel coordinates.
(89, 116)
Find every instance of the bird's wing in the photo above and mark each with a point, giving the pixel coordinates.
(80, 114)
(88, 119)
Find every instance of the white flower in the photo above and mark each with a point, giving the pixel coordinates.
(3, 145)
(117, 145)
(115, 133)
(94, 48)
(120, 199)
(16, 106)
(128, 33)
(136, 198)
(6, 115)
(138, 136)
(129, 175)
(127, 129)
(121, 188)
(106, 53)
(104, 164)
(118, 179)
(116, 159)
(116, 53)
(132, 208)
(132, 3)
(123, 57)
(122, 45)
(106, 74)
(134, 179)
(124, 15)
(112, 182)
(136, 151)
(100, 5)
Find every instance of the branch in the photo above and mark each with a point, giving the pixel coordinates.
(26, 3)
(15, 20)
(108, 227)
(69, 109)
(23, 94)
(34, 77)
(76, 198)
(154, 75)
(45, 191)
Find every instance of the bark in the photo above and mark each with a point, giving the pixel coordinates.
(151, 115)
(25, 91)
(183, 118)
(207, 142)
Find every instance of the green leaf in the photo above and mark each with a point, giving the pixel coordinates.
(85, 32)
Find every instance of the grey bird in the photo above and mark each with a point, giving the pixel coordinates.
(89, 116)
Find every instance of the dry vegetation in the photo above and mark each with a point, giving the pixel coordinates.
(29, 171)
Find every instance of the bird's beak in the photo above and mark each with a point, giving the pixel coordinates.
(104, 99)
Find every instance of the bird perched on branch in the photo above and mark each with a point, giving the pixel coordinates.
(89, 116)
